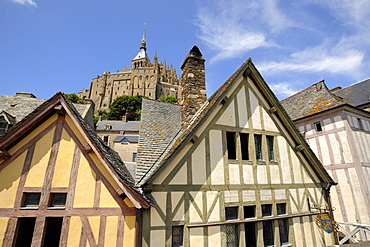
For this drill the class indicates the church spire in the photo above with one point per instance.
(143, 40)
(142, 53)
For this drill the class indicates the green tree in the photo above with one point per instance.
(124, 104)
(73, 98)
(169, 99)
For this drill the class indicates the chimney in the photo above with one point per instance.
(192, 84)
(27, 95)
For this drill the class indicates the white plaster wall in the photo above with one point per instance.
(335, 147)
(347, 154)
(231, 196)
(160, 198)
(269, 124)
(212, 197)
(325, 156)
(158, 238)
(198, 160)
(214, 236)
(216, 158)
(275, 174)
(249, 195)
(248, 174)
(234, 174)
(359, 197)
(284, 160)
(194, 216)
(228, 116)
(338, 121)
(196, 237)
(347, 195)
(175, 201)
(255, 111)
(262, 174)
(242, 108)
(327, 124)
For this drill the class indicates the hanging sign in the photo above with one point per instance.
(324, 222)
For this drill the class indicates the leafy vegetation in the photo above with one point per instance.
(73, 98)
(129, 105)
(169, 99)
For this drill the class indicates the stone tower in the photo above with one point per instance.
(193, 85)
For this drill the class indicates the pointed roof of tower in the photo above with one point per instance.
(142, 52)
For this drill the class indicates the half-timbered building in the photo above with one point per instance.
(237, 173)
(336, 125)
(61, 186)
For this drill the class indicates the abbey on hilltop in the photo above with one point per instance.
(152, 80)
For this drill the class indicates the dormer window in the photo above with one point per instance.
(108, 126)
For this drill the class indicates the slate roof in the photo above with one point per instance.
(311, 100)
(357, 94)
(121, 138)
(161, 123)
(19, 107)
(184, 136)
(119, 125)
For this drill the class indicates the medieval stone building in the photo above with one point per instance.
(152, 80)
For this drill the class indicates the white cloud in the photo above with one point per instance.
(283, 89)
(233, 27)
(25, 2)
(341, 59)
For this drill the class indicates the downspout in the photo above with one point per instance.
(328, 199)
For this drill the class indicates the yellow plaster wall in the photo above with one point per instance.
(41, 156)
(129, 231)
(3, 226)
(160, 198)
(128, 202)
(158, 238)
(111, 231)
(104, 171)
(9, 179)
(74, 128)
(85, 185)
(175, 201)
(74, 232)
(64, 161)
(34, 133)
(181, 176)
(106, 199)
(94, 222)
(214, 236)
(197, 237)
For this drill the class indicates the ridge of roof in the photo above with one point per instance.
(322, 81)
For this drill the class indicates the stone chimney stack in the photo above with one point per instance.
(192, 84)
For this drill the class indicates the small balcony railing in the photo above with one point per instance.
(358, 232)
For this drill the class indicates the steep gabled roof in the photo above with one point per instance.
(246, 70)
(108, 157)
(311, 100)
(357, 94)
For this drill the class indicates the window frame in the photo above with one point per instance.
(258, 147)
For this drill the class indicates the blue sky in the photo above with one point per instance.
(49, 45)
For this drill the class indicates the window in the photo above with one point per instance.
(31, 200)
(359, 123)
(177, 236)
(250, 234)
(52, 231)
(232, 239)
(134, 157)
(24, 234)
(58, 200)
(231, 149)
(270, 147)
(266, 210)
(249, 211)
(106, 140)
(318, 127)
(258, 146)
(231, 213)
(244, 146)
(283, 224)
(268, 233)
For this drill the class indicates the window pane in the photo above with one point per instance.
(58, 199)
(283, 231)
(177, 235)
(52, 231)
(270, 147)
(231, 150)
(258, 146)
(281, 208)
(232, 235)
(250, 235)
(266, 210)
(318, 127)
(25, 230)
(249, 211)
(244, 146)
(268, 234)
(31, 199)
(231, 213)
